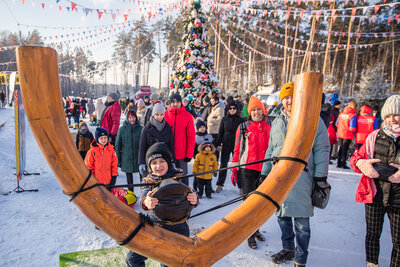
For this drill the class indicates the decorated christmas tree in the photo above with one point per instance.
(195, 76)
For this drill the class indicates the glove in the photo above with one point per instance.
(234, 177)
(142, 168)
(365, 166)
(395, 178)
(187, 159)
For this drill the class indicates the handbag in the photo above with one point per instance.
(321, 193)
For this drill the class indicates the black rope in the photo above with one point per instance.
(273, 159)
(144, 219)
(266, 197)
(82, 189)
(232, 201)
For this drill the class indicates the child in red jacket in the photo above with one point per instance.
(101, 158)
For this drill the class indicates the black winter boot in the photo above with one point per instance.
(259, 236)
(282, 256)
(252, 242)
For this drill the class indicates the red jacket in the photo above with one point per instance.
(111, 118)
(365, 126)
(257, 138)
(346, 123)
(182, 126)
(331, 132)
(102, 161)
(366, 189)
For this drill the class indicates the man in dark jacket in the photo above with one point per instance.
(226, 139)
(207, 109)
(83, 105)
(149, 108)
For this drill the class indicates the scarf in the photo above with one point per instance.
(391, 130)
(159, 125)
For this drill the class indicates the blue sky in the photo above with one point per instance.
(14, 14)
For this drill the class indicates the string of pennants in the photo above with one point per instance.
(148, 8)
(223, 43)
(286, 11)
(259, 21)
(282, 36)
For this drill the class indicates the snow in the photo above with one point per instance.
(36, 227)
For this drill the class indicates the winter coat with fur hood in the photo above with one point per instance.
(205, 161)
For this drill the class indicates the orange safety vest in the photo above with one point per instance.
(365, 125)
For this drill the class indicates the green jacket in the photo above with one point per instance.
(245, 113)
(127, 146)
(298, 203)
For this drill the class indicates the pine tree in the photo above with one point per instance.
(373, 87)
(195, 76)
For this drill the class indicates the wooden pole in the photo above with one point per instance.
(307, 53)
(293, 52)
(347, 58)
(249, 72)
(327, 55)
(354, 64)
(283, 72)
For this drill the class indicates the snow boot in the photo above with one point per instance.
(219, 189)
(370, 264)
(282, 256)
(259, 236)
(344, 166)
(339, 164)
(299, 265)
(251, 241)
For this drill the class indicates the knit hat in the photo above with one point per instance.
(154, 96)
(114, 96)
(158, 150)
(185, 99)
(99, 133)
(175, 97)
(337, 102)
(158, 108)
(286, 90)
(255, 103)
(206, 99)
(200, 123)
(391, 106)
(83, 131)
(141, 103)
(82, 123)
(206, 143)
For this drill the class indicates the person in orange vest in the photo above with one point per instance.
(365, 125)
(346, 128)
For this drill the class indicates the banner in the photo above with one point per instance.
(20, 150)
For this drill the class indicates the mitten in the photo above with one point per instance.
(187, 159)
(219, 148)
(234, 177)
(142, 168)
(395, 178)
(365, 166)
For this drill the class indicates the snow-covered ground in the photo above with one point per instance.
(35, 227)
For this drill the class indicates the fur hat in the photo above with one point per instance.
(204, 144)
(99, 133)
(391, 106)
(158, 108)
(114, 96)
(175, 97)
(286, 90)
(255, 103)
(154, 96)
(158, 150)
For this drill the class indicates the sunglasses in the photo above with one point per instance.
(232, 108)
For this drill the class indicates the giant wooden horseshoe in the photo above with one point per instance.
(38, 70)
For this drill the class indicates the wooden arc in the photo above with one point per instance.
(38, 70)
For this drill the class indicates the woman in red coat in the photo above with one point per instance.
(111, 116)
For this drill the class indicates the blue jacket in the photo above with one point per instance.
(298, 203)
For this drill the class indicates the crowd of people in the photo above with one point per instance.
(158, 139)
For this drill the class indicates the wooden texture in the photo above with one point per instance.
(38, 71)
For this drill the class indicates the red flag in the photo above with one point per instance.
(23, 2)
(42, 5)
(73, 5)
(99, 13)
(59, 7)
(126, 17)
(353, 13)
(377, 8)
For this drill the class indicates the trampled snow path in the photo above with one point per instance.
(36, 227)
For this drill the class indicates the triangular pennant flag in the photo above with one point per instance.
(302, 13)
(317, 15)
(391, 5)
(23, 2)
(113, 16)
(73, 5)
(377, 8)
(86, 10)
(125, 17)
(42, 5)
(397, 18)
(365, 9)
(354, 10)
(99, 13)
